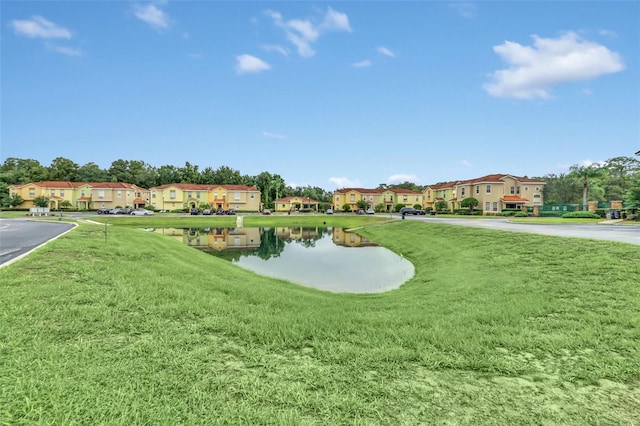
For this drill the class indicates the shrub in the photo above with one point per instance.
(177, 211)
(398, 207)
(346, 208)
(507, 213)
(580, 215)
(521, 214)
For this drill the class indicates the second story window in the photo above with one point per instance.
(32, 192)
(153, 194)
(53, 192)
(172, 195)
(101, 193)
(119, 194)
(62, 192)
(512, 190)
(488, 189)
(462, 190)
(477, 189)
(353, 197)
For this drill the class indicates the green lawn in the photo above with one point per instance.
(494, 328)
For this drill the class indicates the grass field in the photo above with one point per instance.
(494, 328)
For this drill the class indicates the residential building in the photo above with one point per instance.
(387, 198)
(178, 196)
(81, 195)
(443, 191)
(295, 203)
(494, 193)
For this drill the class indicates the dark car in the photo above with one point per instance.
(231, 212)
(126, 210)
(103, 211)
(207, 212)
(219, 212)
(410, 210)
(194, 211)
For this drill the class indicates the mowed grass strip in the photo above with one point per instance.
(495, 328)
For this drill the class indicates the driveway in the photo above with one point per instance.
(18, 237)
(621, 233)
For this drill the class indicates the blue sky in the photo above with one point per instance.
(328, 94)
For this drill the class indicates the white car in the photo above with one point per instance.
(142, 212)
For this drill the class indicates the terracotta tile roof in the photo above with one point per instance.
(205, 187)
(442, 185)
(303, 199)
(84, 199)
(139, 201)
(513, 198)
(360, 190)
(113, 185)
(56, 184)
(499, 178)
(405, 191)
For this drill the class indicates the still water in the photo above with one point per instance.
(325, 258)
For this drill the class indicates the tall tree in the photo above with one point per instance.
(63, 169)
(16, 170)
(91, 172)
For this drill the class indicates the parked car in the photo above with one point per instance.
(411, 210)
(329, 211)
(103, 211)
(360, 211)
(141, 212)
(194, 211)
(370, 211)
(207, 212)
(125, 210)
(266, 211)
(219, 212)
(114, 211)
(231, 212)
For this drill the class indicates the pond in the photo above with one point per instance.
(326, 258)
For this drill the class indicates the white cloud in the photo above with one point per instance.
(386, 52)
(400, 178)
(152, 15)
(275, 48)
(39, 27)
(250, 64)
(534, 70)
(466, 163)
(362, 64)
(270, 135)
(302, 32)
(335, 21)
(68, 51)
(343, 182)
(465, 9)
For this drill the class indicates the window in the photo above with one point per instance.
(62, 192)
(488, 190)
(82, 193)
(404, 198)
(526, 188)
(337, 198)
(53, 192)
(32, 192)
(495, 206)
(172, 195)
(101, 193)
(462, 191)
(252, 196)
(353, 197)
(237, 196)
(119, 194)
(537, 188)
(215, 195)
(518, 190)
(512, 190)
(153, 194)
(189, 194)
(477, 189)
(198, 195)
(487, 206)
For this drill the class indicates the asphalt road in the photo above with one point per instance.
(18, 237)
(620, 233)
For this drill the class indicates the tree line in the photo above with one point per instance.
(615, 179)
